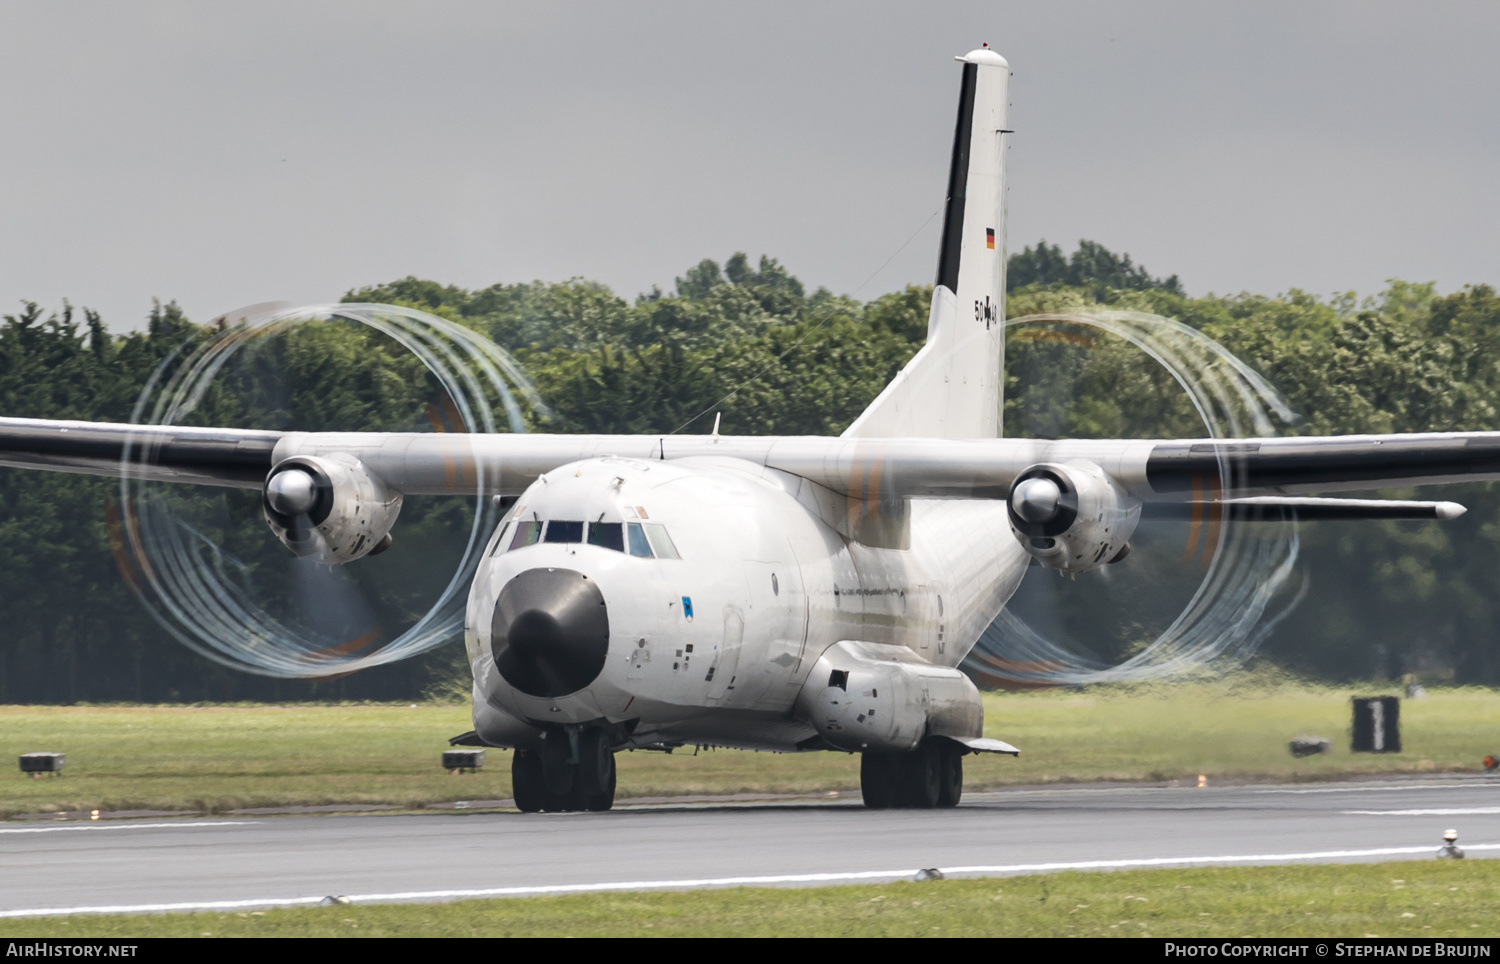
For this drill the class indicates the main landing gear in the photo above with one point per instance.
(572, 770)
(932, 775)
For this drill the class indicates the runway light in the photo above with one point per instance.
(334, 901)
(929, 873)
(1491, 764)
(93, 814)
(1202, 781)
(1450, 849)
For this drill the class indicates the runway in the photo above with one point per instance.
(184, 864)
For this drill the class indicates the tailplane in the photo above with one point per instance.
(952, 388)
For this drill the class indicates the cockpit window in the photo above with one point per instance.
(660, 541)
(607, 534)
(644, 540)
(638, 544)
(527, 533)
(564, 532)
(497, 544)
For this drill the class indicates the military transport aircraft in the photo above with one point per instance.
(779, 593)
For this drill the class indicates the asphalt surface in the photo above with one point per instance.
(239, 862)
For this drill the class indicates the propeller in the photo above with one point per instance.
(204, 561)
(1163, 611)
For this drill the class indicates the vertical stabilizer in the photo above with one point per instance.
(952, 388)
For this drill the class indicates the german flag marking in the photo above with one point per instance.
(989, 238)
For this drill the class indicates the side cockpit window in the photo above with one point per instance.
(527, 533)
(638, 544)
(498, 543)
(661, 543)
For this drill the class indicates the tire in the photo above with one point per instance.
(605, 798)
(951, 783)
(559, 772)
(878, 780)
(921, 777)
(596, 764)
(528, 785)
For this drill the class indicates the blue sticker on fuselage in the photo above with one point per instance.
(687, 607)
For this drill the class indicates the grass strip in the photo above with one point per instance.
(215, 759)
(1401, 899)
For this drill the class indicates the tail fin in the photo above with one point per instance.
(953, 387)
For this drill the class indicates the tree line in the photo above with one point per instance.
(747, 339)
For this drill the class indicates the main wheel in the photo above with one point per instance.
(878, 779)
(596, 764)
(557, 765)
(921, 776)
(528, 785)
(951, 784)
(605, 798)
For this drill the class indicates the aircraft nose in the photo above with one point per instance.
(550, 632)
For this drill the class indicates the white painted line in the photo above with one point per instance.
(159, 908)
(1451, 812)
(1195, 861)
(184, 825)
(707, 882)
(1454, 785)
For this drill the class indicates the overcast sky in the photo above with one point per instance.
(226, 154)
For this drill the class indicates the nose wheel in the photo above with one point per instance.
(569, 772)
(930, 776)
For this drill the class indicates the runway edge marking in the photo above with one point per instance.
(127, 826)
(708, 882)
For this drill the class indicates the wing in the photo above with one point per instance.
(206, 456)
(882, 469)
(1152, 471)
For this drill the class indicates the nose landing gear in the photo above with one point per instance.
(573, 770)
(930, 776)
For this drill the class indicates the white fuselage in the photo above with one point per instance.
(713, 647)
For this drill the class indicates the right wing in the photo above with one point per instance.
(162, 453)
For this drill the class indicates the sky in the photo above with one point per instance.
(229, 154)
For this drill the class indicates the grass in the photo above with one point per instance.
(218, 758)
(1433, 899)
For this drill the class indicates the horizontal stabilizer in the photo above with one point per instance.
(1277, 508)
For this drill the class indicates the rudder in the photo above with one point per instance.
(953, 387)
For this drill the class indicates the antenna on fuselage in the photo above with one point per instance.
(716, 425)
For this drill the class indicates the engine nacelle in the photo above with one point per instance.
(1072, 516)
(329, 507)
(876, 696)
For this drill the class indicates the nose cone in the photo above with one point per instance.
(550, 633)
